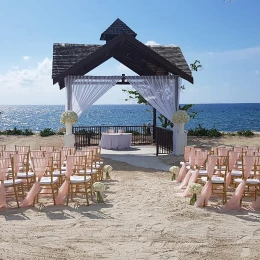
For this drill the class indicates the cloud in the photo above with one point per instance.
(30, 86)
(151, 43)
(26, 57)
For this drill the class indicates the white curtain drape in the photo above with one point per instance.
(83, 91)
(162, 92)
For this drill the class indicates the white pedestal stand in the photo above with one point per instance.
(69, 138)
(181, 139)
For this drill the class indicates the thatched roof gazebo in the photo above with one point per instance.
(121, 44)
(72, 61)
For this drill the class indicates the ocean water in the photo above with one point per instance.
(225, 117)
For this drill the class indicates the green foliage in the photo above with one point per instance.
(134, 95)
(47, 132)
(246, 133)
(16, 131)
(201, 131)
(196, 66)
(27, 132)
(60, 133)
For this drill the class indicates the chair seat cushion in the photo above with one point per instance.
(203, 172)
(88, 171)
(11, 182)
(58, 173)
(47, 180)
(63, 168)
(236, 173)
(248, 181)
(25, 174)
(223, 167)
(79, 179)
(214, 180)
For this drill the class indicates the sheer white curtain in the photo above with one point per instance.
(83, 91)
(162, 92)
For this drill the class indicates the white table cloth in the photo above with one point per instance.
(117, 141)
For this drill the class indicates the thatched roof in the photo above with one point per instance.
(79, 59)
(116, 28)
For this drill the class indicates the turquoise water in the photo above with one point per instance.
(226, 117)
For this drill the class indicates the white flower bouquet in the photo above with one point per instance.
(175, 171)
(107, 169)
(99, 188)
(69, 117)
(180, 116)
(194, 189)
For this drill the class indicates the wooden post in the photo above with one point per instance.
(154, 125)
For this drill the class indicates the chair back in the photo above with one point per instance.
(22, 148)
(47, 148)
(2, 147)
(5, 163)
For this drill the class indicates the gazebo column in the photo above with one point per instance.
(154, 125)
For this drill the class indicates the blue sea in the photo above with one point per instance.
(225, 117)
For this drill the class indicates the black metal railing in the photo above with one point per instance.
(91, 135)
(164, 140)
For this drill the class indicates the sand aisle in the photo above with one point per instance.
(142, 218)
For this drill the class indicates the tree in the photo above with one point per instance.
(134, 95)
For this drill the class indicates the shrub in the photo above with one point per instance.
(246, 133)
(27, 132)
(47, 132)
(16, 131)
(202, 131)
(60, 133)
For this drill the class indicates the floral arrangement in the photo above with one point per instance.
(194, 189)
(107, 169)
(69, 116)
(180, 116)
(175, 171)
(99, 188)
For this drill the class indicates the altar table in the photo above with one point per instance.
(118, 141)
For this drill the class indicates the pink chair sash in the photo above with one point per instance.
(183, 170)
(39, 166)
(207, 189)
(233, 157)
(234, 202)
(63, 190)
(200, 158)
(182, 173)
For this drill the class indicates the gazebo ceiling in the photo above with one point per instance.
(79, 59)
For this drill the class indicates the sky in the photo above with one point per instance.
(223, 35)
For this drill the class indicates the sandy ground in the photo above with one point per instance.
(142, 218)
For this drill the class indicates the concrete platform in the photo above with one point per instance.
(140, 156)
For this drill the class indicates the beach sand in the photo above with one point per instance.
(142, 218)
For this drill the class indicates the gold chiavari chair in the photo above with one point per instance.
(23, 169)
(252, 181)
(10, 180)
(80, 182)
(218, 179)
(48, 182)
